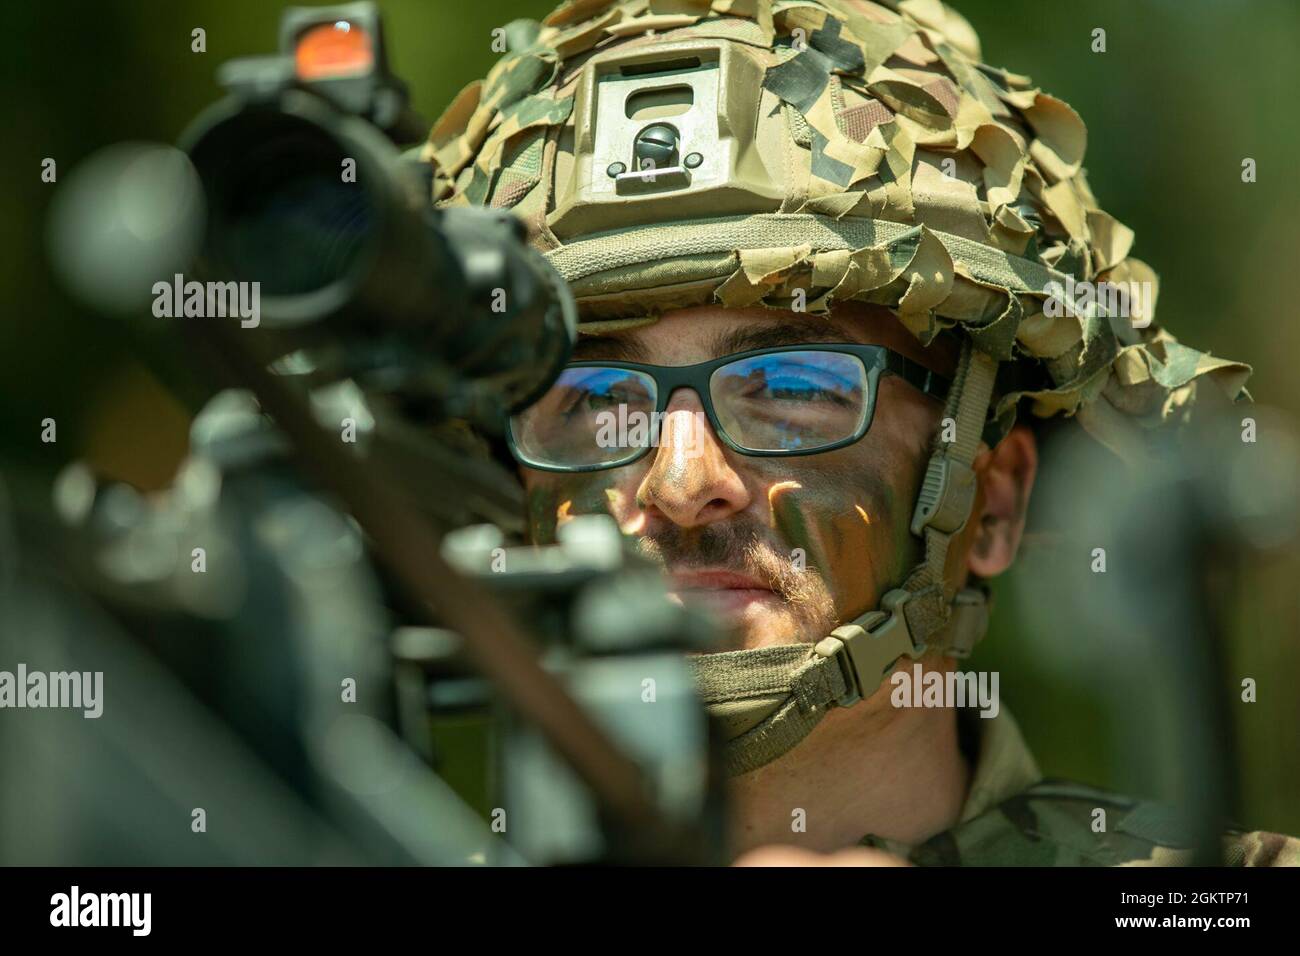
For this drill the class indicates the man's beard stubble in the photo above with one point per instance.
(742, 547)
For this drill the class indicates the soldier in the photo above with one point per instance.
(828, 262)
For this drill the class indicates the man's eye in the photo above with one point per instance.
(795, 390)
(585, 402)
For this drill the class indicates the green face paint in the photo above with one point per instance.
(846, 511)
(543, 502)
(791, 524)
(554, 497)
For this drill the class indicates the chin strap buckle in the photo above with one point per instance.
(867, 649)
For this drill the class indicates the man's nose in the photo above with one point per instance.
(690, 482)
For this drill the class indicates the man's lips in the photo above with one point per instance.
(705, 580)
(725, 591)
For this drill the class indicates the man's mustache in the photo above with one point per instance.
(747, 548)
(739, 548)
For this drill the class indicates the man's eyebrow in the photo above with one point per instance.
(774, 336)
(620, 348)
(594, 347)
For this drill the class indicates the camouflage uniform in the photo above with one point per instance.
(1013, 817)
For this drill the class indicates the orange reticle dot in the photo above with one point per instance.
(331, 50)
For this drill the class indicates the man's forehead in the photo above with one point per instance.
(686, 336)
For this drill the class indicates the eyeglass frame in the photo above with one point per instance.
(875, 359)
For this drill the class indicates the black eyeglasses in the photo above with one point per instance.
(788, 400)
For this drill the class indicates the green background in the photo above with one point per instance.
(1185, 90)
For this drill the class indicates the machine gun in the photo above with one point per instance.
(343, 489)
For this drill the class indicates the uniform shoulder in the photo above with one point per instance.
(1061, 823)
(1261, 848)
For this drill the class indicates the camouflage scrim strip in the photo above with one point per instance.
(522, 116)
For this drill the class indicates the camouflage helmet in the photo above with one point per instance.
(815, 151)
(798, 153)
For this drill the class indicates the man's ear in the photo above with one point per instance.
(1006, 477)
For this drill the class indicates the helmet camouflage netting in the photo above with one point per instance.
(842, 149)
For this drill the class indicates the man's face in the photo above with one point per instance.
(783, 548)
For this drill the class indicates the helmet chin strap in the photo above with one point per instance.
(768, 699)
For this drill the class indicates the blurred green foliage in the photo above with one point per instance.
(1184, 92)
